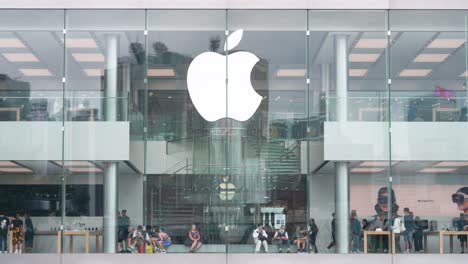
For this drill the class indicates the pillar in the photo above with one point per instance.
(341, 168)
(110, 168)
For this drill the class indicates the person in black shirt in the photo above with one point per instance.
(17, 237)
(4, 224)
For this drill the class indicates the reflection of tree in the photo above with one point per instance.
(160, 48)
(214, 43)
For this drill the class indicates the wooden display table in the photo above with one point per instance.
(375, 233)
(451, 234)
(85, 233)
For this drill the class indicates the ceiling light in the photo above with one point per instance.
(94, 72)
(431, 57)
(79, 169)
(291, 72)
(35, 72)
(465, 74)
(446, 43)
(6, 163)
(437, 170)
(15, 170)
(81, 43)
(161, 72)
(73, 163)
(377, 163)
(357, 72)
(11, 43)
(373, 43)
(368, 170)
(363, 57)
(452, 164)
(20, 57)
(88, 57)
(415, 72)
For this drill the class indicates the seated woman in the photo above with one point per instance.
(195, 237)
(163, 241)
(301, 240)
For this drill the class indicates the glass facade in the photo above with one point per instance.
(229, 119)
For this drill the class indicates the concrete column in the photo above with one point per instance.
(110, 168)
(341, 168)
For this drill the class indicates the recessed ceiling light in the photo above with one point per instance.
(452, 164)
(437, 170)
(6, 163)
(377, 163)
(161, 72)
(357, 72)
(20, 57)
(446, 43)
(465, 74)
(74, 163)
(88, 57)
(11, 43)
(94, 72)
(431, 57)
(415, 72)
(371, 43)
(81, 43)
(35, 72)
(368, 170)
(363, 57)
(80, 169)
(15, 170)
(291, 72)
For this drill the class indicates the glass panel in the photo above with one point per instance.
(186, 141)
(105, 75)
(31, 70)
(268, 186)
(429, 106)
(348, 129)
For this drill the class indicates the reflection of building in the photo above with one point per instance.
(14, 104)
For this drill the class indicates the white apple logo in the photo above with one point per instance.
(206, 82)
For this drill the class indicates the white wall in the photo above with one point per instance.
(83, 141)
(415, 141)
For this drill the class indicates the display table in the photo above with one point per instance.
(451, 234)
(85, 233)
(375, 233)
